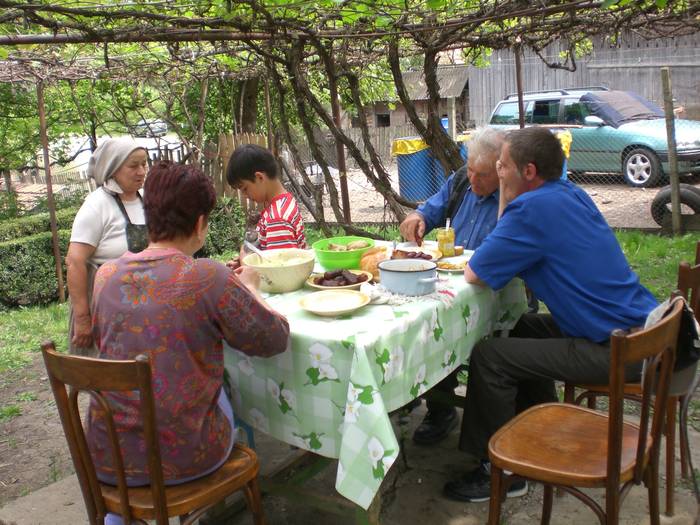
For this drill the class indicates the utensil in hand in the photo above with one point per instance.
(250, 246)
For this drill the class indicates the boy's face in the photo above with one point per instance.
(254, 189)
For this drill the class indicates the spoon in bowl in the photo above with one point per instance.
(250, 246)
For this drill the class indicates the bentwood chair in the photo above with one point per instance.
(682, 388)
(569, 446)
(156, 501)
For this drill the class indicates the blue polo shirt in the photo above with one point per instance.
(473, 221)
(558, 242)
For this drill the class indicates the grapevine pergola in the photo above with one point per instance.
(315, 57)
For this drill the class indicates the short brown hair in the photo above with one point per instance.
(175, 195)
(538, 146)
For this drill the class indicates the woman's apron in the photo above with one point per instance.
(136, 241)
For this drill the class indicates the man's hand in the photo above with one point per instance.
(413, 228)
(249, 277)
(82, 331)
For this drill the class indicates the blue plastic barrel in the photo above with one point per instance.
(416, 173)
(439, 172)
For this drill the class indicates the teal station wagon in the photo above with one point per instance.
(612, 131)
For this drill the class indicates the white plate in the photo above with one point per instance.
(330, 303)
(459, 259)
(310, 281)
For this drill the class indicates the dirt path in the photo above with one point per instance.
(33, 450)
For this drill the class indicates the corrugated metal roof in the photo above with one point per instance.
(451, 79)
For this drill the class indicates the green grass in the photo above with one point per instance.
(655, 258)
(8, 412)
(25, 397)
(23, 330)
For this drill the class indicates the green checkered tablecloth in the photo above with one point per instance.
(332, 392)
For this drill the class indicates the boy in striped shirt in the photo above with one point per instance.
(254, 170)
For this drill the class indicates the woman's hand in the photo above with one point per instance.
(249, 277)
(82, 331)
(234, 263)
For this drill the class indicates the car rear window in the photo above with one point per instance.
(507, 113)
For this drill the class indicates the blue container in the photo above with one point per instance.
(564, 175)
(416, 174)
(439, 173)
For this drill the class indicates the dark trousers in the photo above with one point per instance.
(510, 374)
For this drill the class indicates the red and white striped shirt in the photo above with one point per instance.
(280, 225)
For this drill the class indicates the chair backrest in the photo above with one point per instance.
(689, 285)
(656, 347)
(95, 376)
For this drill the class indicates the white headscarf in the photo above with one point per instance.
(108, 158)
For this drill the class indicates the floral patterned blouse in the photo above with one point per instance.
(176, 309)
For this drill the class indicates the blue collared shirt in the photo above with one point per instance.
(473, 221)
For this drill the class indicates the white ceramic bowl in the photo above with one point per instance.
(282, 270)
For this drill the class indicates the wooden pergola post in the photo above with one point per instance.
(49, 190)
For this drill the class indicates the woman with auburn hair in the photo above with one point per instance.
(176, 309)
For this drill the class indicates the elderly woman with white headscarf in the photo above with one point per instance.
(110, 222)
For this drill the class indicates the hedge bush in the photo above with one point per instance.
(15, 229)
(28, 274)
(226, 228)
(28, 271)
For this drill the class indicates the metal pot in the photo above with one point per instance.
(408, 276)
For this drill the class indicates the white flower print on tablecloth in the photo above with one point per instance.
(321, 370)
(381, 459)
(285, 398)
(358, 395)
(246, 366)
(471, 317)
(391, 362)
(419, 384)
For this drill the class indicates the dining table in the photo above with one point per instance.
(332, 391)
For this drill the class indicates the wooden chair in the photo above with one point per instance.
(569, 446)
(680, 394)
(156, 501)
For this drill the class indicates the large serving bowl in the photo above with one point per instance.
(283, 270)
(337, 260)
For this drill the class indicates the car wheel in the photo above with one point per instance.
(661, 205)
(641, 168)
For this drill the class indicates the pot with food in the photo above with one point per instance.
(408, 276)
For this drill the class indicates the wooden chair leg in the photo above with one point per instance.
(652, 482)
(591, 402)
(496, 495)
(252, 496)
(683, 444)
(670, 453)
(569, 393)
(547, 504)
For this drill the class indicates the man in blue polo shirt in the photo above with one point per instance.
(470, 199)
(553, 237)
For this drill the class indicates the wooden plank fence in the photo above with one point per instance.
(215, 161)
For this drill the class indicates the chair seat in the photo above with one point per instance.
(241, 467)
(562, 444)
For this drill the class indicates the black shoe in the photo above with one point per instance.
(435, 427)
(475, 487)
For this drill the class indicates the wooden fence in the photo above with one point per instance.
(214, 162)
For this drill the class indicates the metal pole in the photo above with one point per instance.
(672, 159)
(339, 148)
(49, 190)
(519, 83)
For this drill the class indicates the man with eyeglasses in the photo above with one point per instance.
(553, 237)
(470, 199)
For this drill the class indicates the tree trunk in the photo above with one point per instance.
(249, 105)
(8, 180)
